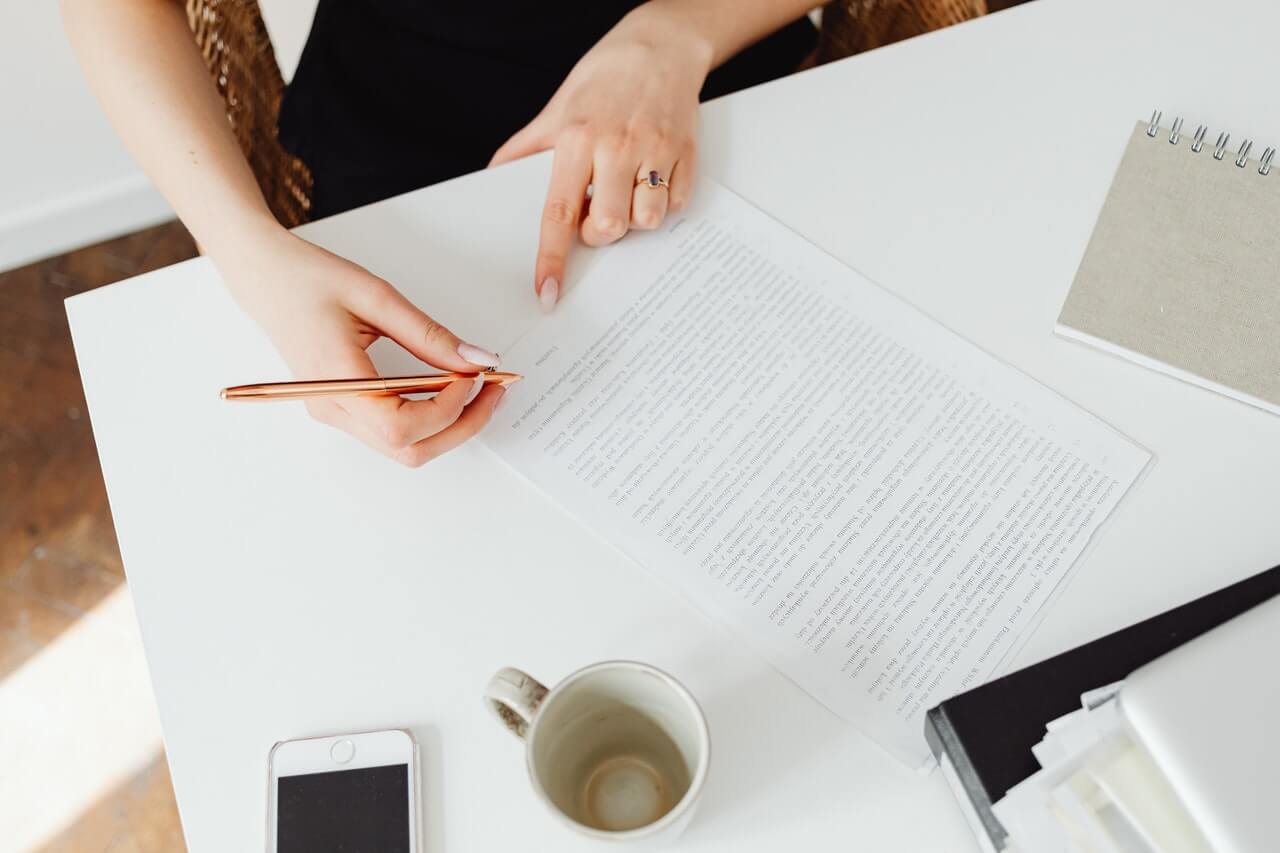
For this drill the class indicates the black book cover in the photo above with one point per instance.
(988, 732)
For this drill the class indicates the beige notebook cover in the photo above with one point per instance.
(1182, 273)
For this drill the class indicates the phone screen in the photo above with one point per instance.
(353, 811)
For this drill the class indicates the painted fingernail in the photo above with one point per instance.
(475, 355)
(550, 295)
(476, 386)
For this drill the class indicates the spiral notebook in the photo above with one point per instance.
(1182, 273)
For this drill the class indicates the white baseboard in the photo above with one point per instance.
(61, 224)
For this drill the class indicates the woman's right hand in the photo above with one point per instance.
(322, 312)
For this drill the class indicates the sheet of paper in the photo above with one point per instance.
(876, 505)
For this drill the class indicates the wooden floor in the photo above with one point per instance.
(58, 554)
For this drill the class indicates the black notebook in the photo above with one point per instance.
(986, 734)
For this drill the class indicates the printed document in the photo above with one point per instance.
(874, 503)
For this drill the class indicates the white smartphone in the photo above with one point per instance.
(354, 793)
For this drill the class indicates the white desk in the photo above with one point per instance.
(962, 170)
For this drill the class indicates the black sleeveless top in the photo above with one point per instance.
(392, 95)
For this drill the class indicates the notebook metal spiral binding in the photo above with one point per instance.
(1219, 148)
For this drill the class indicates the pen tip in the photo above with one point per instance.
(223, 393)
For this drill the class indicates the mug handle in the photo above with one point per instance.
(514, 696)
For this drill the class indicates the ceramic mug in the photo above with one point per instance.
(618, 751)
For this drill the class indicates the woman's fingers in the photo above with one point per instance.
(649, 201)
(399, 423)
(394, 423)
(472, 420)
(570, 172)
(612, 166)
(411, 432)
(612, 179)
(387, 310)
(624, 196)
(331, 414)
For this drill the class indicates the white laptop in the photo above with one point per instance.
(1208, 713)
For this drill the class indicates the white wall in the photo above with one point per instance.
(65, 179)
(288, 22)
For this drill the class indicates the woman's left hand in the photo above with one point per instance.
(628, 108)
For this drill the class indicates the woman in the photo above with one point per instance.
(391, 95)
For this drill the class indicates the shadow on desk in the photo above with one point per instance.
(761, 753)
(431, 788)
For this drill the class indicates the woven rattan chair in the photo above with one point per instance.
(852, 26)
(238, 52)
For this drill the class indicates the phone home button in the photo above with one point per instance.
(342, 751)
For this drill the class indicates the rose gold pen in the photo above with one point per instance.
(378, 386)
